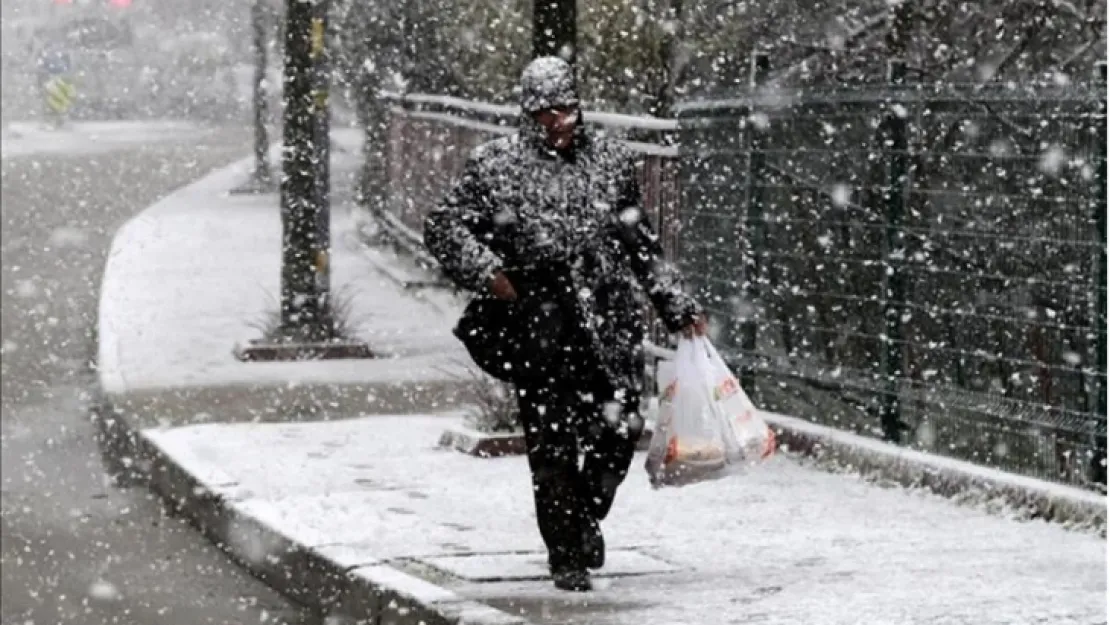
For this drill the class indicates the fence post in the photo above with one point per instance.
(752, 235)
(1096, 344)
(893, 297)
(376, 117)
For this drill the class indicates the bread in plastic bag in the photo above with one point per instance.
(707, 426)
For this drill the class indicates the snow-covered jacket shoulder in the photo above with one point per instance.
(517, 206)
(459, 231)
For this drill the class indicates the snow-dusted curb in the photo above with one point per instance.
(962, 482)
(361, 589)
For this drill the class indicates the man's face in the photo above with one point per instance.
(559, 123)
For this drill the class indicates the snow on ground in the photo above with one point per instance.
(30, 138)
(197, 273)
(782, 544)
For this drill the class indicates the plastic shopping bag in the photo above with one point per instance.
(707, 426)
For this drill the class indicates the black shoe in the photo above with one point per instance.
(593, 545)
(572, 580)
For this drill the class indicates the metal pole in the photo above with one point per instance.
(665, 104)
(321, 113)
(262, 176)
(305, 312)
(893, 294)
(554, 29)
(1096, 342)
(1098, 209)
(753, 230)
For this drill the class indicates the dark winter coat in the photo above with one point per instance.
(569, 232)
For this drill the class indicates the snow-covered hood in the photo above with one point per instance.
(546, 82)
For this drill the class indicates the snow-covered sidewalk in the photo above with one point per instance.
(783, 544)
(197, 274)
(307, 472)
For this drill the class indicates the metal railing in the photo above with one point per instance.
(926, 263)
(922, 263)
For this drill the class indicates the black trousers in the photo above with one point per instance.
(562, 420)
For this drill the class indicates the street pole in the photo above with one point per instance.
(554, 29)
(262, 180)
(664, 104)
(262, 176)
(305, 307)
(307, 328)
(321, 93)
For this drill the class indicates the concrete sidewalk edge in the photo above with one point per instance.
(370, 593)
(287, 400)
(961, 482)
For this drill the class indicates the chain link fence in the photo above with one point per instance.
(921, 262)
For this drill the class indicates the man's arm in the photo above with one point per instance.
(661, 280)
(458, 230)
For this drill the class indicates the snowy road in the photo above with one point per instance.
(25, 138)
(75, 547)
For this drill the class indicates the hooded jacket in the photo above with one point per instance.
(568, 229)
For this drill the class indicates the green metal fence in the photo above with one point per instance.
(925, 263)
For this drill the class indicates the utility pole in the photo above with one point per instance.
(262, 180)
(305, 309)
(321, 144)
(554, 29)
(307, 328)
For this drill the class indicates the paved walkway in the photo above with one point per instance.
(782, 544)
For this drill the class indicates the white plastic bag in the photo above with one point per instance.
(707, 427)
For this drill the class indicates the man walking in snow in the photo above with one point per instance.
(545, 227)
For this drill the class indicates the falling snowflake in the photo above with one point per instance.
(760, 120)
(68, 237)
(1052, 160)
(104, 591)
(985, 71)
(26, 288)
(504, 217)
(612, 412)
(1001, 449)
(926, 434)
(1000, 148)
(254, 545)
(630, 216)
(841, 195)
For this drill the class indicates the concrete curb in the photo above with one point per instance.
(361, 591)
(962, 482)
(285, 401)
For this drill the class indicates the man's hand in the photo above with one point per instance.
(501, 287)
(698, 328)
